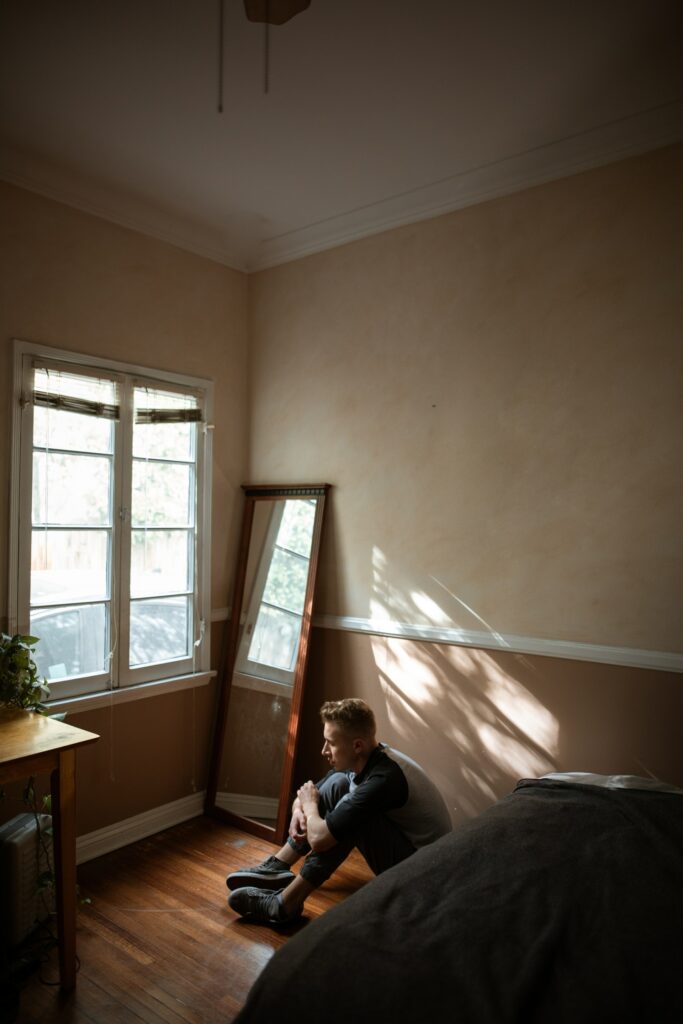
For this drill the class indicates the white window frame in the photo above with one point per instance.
(198, 662)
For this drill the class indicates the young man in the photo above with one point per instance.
(373, 797)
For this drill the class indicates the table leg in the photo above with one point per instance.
(63, 786)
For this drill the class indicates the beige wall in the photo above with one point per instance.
(81, 283)
(495, 396)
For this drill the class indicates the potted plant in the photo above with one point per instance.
(22, 687)
(20, 684)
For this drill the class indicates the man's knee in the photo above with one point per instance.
(332, 790)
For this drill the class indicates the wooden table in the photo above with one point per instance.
(31, 744)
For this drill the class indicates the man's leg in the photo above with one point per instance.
(274, 872)
(287, 904)
(383, 844)
(381, 841)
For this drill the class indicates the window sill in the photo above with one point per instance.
(272, 686)
(107, 698)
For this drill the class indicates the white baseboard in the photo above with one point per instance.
(247, 805)
(113, 837)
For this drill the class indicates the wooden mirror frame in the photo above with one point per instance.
(253, 494)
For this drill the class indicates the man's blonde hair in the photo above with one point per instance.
(354, 716)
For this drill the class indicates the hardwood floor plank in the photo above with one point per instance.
(159, 944)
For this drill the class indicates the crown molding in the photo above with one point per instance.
(610, 142)
(629, 136)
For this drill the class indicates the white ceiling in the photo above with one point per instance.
(379, 112)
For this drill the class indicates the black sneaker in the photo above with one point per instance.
(266, 907)
(271, 874)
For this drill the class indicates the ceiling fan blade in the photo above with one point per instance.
(274, 12)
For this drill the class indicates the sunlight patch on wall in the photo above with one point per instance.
(519, 707)
(478, 621)
(512, 754)
(516, 731)
(460, 696)
(435, 615)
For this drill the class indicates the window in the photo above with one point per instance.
(110, 510)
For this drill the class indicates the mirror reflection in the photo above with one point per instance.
(268, 655)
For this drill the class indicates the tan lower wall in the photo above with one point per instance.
(150, 752)
(477, 720)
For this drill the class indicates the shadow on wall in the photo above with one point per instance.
(483, 728)
(480, 728)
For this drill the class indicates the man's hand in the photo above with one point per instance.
(317, 833)
(308, 797)
(297, 826)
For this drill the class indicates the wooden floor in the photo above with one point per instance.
(158, 943)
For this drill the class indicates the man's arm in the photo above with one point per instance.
(298, 825)
(318, 834)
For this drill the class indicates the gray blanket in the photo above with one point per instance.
(561, 904)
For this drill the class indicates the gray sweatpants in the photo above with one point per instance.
(379, 839)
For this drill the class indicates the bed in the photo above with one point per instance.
(561, 904)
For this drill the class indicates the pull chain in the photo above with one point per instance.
(221, 32)
(266, 55)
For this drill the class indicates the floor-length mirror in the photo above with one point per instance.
(264, 658)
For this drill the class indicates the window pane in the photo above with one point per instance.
(72, 641)
(286, 582)
(69, 565)
(160, 562)
(159, 630)
(296, 528)
(163, 440)
(276, 638)
(54, 428)
(73, 385)
(71, 490)
(161, 494)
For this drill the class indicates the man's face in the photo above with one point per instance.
(338, 748)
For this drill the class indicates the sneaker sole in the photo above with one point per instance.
(241, 879)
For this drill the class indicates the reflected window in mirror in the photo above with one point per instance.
(275, 596)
